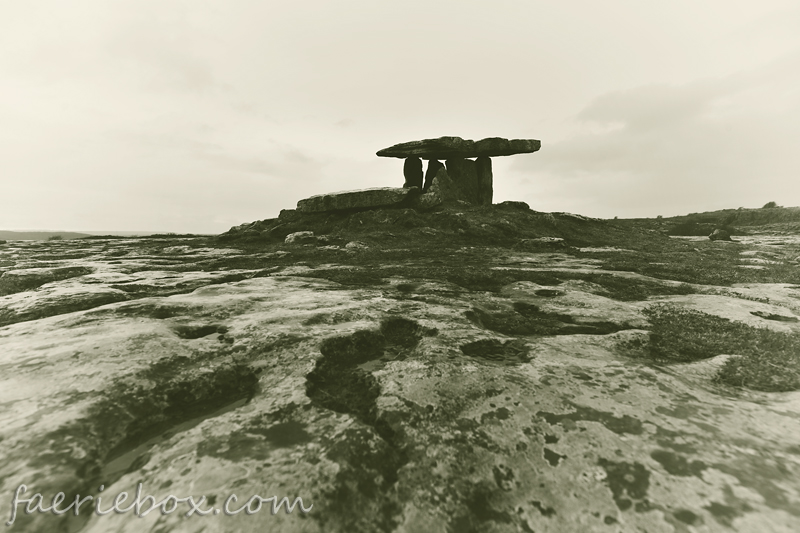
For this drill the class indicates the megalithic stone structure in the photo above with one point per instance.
(472, 179)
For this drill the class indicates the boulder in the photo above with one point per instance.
(720, 235)
(442, 191)
(458, 148)
(357, 200)
(412, 171)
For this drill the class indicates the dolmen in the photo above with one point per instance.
(464, 177)
(471, 179)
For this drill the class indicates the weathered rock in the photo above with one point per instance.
(300, 237)
(412, 171)
(53, 299)
(348, 391)
(720, 235)
(430, 173)
(426, 201)
(458, 148)
(356, 246)
(442, 191)
(357, 200)
(389, 404)
(176, 250)
(512, 204)
(289, 215)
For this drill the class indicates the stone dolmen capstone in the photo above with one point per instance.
(471, 179)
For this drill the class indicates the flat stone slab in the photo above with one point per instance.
(456, 147)
(360, 199)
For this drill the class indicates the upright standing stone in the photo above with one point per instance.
(412, 170)
(465, 178)
(483, 168)
(433, 169)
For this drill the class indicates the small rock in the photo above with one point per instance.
(522, 206)
(279, 254)
(720, 235)
(773, 316)
(176, 249)
(355, 246)
(301, 237)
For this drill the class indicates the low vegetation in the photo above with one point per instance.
(763, 359)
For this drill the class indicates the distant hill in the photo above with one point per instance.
(738, 221)
(39, 235)
(44, 235)
(745, 217)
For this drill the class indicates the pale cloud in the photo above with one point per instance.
(708, 144)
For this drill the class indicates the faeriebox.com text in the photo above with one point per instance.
(142, 506)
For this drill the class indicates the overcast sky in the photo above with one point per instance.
(194, 116)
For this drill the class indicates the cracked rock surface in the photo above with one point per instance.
(390, 400)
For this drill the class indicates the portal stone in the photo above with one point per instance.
(483, 168)
(412, 170)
